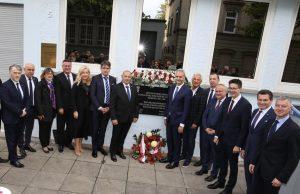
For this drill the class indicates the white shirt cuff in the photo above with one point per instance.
(181, 125)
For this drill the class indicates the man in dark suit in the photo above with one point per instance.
(176, 113)
(231, 134)
(279, 155)
(261, 118)
(28, 80)
(197, 106)
(209, 122)
(63, 83)
(15, 106)
(123, 111)
(1, 159)
(210, 94)
(100, 95)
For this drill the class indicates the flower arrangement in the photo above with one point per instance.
(153, 77)
(148, 146)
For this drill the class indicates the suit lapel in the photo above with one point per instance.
(123, 91)
(236, 106)
(178, 93)
(13, 86)
(264, 119)
(279, 130)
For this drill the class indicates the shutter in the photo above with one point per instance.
(11, 37)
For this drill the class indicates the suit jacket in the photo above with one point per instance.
(177, 109)
(256, 134)
(12, 102)
(211, 114)
(279, 156)
(98, 91)
(197, 106)
(120, 107)
(63, 91)
(43, 101)
(233, 127)
(24, 82)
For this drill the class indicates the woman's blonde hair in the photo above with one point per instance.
(78, 78)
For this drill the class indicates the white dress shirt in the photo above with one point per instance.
(33, 86)
(235, 101)
(260, 116)
(21, 90)
(71, 78)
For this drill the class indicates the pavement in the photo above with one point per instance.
(66, 173)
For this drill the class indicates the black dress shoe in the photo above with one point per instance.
(94, 154)
(216, 185)
(171, 166)
(60, 148)
(23, 152)
(164, 160)
(210, 178)
(121, 155)
(20, 157)
(113, 157)
(70, 146)
(29, 148)
(201, 172)
(102, 150)
(17, 164)
(3, 160)
(198, 163)
(226, 191)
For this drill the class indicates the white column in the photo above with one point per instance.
(125, 35)
(203, 21)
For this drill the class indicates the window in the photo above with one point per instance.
(230, 21)
(238, 39)
(71, 31)
(86, 31)
(292, 65)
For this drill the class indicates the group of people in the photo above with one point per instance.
(266, 138)
(82, 106)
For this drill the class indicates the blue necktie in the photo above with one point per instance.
(107, 91)
(272, 130)
(31, 92)
(255, 119)
(175, 93)
(128, 93)
(19, 90)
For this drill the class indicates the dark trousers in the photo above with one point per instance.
(215, 165)
(206, 150)
(174, 143)
(12, 134)
(65, 135)
(100, 122)
(226, 156)
(248, 176)
(262, 186)
(201, 142)
(189, 136)
(45, 132)
(26, 134)
(118, 137)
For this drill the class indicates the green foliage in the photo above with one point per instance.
(161, 13)
(94, 6)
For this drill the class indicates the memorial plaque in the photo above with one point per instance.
(48, 55)
(152, 100)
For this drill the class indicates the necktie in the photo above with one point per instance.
(128, 93)
(107, 90)
(175, 93)
(69, 81)
(30, 92)
(255, 119)
(210, 95)
(19, 90)
(272, 130)
(218, 104)
(52, 95)
(230, 106)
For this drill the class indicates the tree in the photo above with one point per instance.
(161, 13)
(95, 6)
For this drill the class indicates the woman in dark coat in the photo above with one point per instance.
(81, 107)
(46, 107)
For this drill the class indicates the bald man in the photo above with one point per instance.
(123, 111)
(28, 80)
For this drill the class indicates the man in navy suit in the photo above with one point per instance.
(231, 134)
(210, 94)
(209, 122)
(100, 96)
(27, 79)
(63, 88)
(176, 113)
(262, 118)
(279, 155)
(15, 106)
(197, 106)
